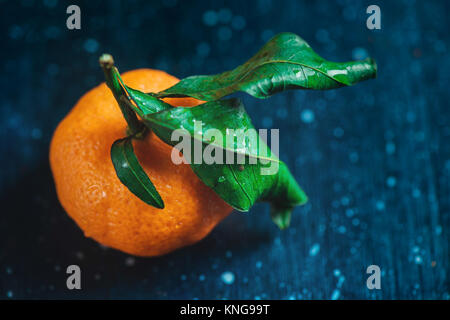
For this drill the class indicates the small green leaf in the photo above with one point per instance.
(240, 185)
(285, 62)
(131, 174)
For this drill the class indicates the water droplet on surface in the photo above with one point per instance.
(314, 250)
(227, 277)
(335, 295)
(307, 116)
(390, 148)
(380, 205)
(391, 181)
(210, 18)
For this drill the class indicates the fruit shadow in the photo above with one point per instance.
(39, 240)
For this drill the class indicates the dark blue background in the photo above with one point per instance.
(373, 158)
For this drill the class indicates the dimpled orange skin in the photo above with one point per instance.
(93, 196)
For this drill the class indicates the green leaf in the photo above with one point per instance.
(239, 185)
(132, 175)
(285, 62)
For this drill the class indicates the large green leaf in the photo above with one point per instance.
(240, 185)
(285, 62)
(132, 175)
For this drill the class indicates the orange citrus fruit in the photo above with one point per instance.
(101, 205)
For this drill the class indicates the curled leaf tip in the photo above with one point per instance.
(374, 65)
(281, 217)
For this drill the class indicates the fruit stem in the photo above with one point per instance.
(107, 63)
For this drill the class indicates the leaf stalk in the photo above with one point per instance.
(135, 127)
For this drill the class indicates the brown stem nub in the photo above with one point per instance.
(106, 61)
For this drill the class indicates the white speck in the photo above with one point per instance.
(9, 294)
(337, 272)
(259, 264)
(228, 277)
(418, 260)
(130, 261)
(201, 277)
(124, 165)
(314, 250)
